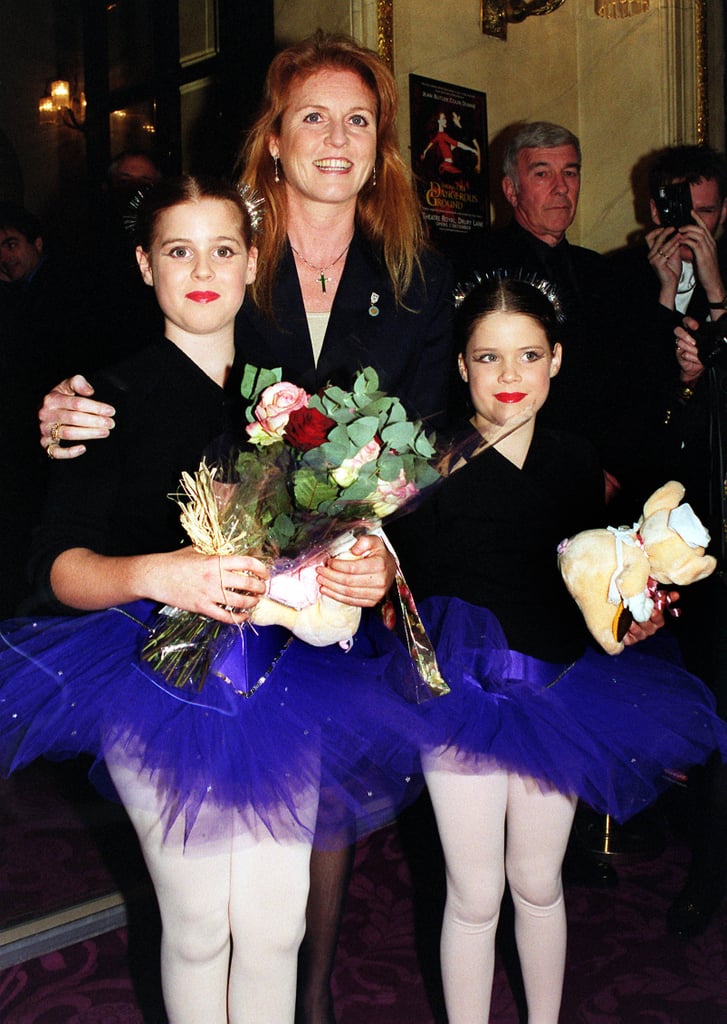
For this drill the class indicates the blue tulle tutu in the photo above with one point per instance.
(610, 729)
(300, 738)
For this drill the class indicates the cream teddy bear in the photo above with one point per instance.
(612, 573)
(294, 602)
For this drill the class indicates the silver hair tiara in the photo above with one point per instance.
(251, 198)
(254, 203)
(522, 276)
(130, 219)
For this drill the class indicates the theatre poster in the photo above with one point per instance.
(449, 159)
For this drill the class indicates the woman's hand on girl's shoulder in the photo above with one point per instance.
(68, 413)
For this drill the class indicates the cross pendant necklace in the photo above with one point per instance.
(321, 271)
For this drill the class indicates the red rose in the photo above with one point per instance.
(307, 428)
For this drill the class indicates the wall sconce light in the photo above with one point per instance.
(621, 8)
(495, 14)
(59, 107)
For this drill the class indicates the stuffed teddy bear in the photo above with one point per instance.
(294, 602)
(612, 573)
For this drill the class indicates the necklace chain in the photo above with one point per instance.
(321, 271)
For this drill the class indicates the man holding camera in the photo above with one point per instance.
(679, 272)
(688, 190)
(688, 305)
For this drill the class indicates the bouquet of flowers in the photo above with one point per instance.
(317, 469)
(347, 456)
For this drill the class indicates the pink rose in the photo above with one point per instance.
(274, 408)
(392, 494)
(347, 472)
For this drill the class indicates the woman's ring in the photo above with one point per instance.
(50, 449)
(662, 253)
(55, 432)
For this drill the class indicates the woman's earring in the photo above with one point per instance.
(373, 184)
(277, 176)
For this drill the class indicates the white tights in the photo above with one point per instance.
(471, 811)
(243, 895)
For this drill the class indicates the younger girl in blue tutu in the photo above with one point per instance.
(222, 784)
(537, 717)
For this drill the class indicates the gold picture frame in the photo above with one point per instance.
(385, 31)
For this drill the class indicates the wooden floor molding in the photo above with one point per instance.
(42, 935)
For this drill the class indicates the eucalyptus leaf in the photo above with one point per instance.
(391, 409)
(256, 379)
(310, 490)
(362, 430)
(426, 476)
(334, 410)
(335, 395)
(338, 436)
(390, 466)
(329, 455)
(371, 378)
(398, 435)
(423, 445)
(282, 529)
(378, 406)
(315, 402)
(359, 490)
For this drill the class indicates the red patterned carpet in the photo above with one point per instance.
(623, 968)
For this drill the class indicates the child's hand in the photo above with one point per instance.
(641, 630)
(363, 580)
(224, 587)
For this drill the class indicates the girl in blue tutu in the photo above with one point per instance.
(537, 717)
(222, 784)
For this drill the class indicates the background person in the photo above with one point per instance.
(38, 345)
(671, 285)
(678, 271)
(126, 314)
(699, 423)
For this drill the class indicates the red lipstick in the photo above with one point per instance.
(510, 397)
(202, 297)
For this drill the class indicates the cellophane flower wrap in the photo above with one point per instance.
(316, 467)
(347, 457)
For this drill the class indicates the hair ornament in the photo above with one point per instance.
(130, 218)
(522, 276)
(254, 203)
(463, 288)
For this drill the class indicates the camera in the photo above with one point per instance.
(711, 339)
(674, 203)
